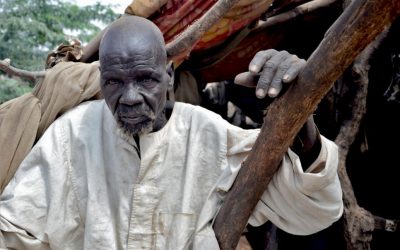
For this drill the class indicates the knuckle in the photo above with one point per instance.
(262, 83)
(260, 53)
(270, 65)
(276, 83)
(283, 67)
(284, 53)
(294, 57)
(271, 50)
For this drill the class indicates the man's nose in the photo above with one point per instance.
(131, 96)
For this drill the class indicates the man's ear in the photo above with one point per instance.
(171, 73)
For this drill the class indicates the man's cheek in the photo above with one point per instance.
(115, 100)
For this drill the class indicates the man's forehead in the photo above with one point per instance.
(124, 57)
(133, 51)
(130, 62)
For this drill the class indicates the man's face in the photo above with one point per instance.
(134, 86)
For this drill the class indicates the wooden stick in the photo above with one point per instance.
(293, 13)
(282, 7)
(28, 75)
(358, 25)
(188, 38)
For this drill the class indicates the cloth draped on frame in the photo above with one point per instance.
(174, 16)
(23, 120)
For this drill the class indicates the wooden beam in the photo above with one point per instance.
(294, 13)
(190, 36)
(358, 25)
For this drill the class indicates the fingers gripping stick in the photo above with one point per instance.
(268, 70)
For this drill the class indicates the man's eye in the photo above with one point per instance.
(113, 82)
(147, 80)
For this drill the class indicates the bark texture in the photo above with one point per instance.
(294, 13)
(358, 222)
(188, 38)
(5, 65)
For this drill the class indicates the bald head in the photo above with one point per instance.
(130, 34)
(134, 75)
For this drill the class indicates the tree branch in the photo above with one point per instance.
(31, 76)
(358, 25)
(293, 13)
(282, 6)
(359, 223)
(188, 38)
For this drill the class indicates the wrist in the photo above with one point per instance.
(307, 144)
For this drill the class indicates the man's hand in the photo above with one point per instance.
(268, 70)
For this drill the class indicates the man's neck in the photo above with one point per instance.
(169, 106)
(164, 116)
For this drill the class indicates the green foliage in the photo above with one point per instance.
(29, 29)
(11, 88)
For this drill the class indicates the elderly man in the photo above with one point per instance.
(134, 171)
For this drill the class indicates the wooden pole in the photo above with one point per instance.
(294, 13)
(358, 25)
(190, 36)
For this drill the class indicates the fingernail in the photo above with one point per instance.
(286, 77)
(254, 68)
(260, 93)
(272, 92)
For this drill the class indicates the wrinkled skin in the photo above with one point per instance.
(269, 70)
(134, 75)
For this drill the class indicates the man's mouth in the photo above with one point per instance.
(133, 119)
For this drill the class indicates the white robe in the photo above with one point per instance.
(86, 186)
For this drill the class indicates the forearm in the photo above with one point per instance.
(307, 144)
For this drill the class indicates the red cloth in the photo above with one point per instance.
(175, 15)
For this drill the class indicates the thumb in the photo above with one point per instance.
(247, 79)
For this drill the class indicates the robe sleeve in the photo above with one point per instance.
(301, 202)
(38, 208)
(298, 202)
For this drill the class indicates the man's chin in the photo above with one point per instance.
(139, 129)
